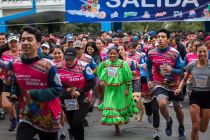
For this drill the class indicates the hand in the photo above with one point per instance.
(166, 69)
(126, 92)
(177, 91)
(70, 90)
(75, 94)
(103, 83)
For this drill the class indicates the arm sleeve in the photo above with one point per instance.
(185, 61)
(179, 66)
(88, 73)
(54, 90)
(93, 64)
(14, 87)
(149, 69)
(97, 59)
(133, 66)
(89, 85)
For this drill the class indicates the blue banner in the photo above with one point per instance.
(137, 10)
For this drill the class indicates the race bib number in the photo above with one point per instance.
(201, 81)
(112, 71)
(71, 104)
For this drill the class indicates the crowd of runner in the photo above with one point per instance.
(49, 83)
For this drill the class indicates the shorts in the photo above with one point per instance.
(200, 98)
(161, 93)
(6, 88)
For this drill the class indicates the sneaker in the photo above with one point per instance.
(182, 133)
(156, 135)
(149, 119)
(2, 116)
(13, 124)
(168, 129)
(62, 137)
(171, 104)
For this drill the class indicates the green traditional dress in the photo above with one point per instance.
(116, 107)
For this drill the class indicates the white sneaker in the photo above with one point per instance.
(171, 104)
(97, 102)
(156, 135)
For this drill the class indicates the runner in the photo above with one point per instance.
(10, 55)
(118, 104)
(166, 64)
(199, 98)
(77, 79)
(39, 88)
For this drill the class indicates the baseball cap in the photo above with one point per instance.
(77, 44)
(152, 33)
(135, 38)
(45, 45)
(13, 37)
(70, 54)
(70, 39)
(125, 39)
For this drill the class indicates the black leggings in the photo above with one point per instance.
(153, 108)
(75, 119)
(26, 131)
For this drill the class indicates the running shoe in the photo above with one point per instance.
(62, 137)
(2, 115)
(182, 133)
(13, 124)
(168, 129)
(171, 104)
(156, 135)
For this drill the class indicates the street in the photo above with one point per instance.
(144, 131)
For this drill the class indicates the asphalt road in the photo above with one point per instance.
(144, 131)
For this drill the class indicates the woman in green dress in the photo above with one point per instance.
(118, 104)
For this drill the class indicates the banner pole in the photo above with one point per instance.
(106, 26)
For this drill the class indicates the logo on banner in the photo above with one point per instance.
(146, 15)
(90, 6)
(102, 15)
(192, 14)
(130, 14)
(114, 15)
(206, 13)
(161, 14)
(178, 14)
